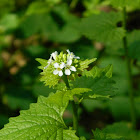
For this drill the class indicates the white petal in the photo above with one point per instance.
(62, 65)
(55, 72)
(68, 51)
(60, 73)
(69, 62)
(72, 68)
(76, 57)
(49, 61)
(67, 72)
(56, 65)
(54, 54)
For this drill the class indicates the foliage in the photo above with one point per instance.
(42, 121)
(92, 29)
(103, 27)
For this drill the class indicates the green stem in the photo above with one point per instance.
(75, 116)
(74, 107)
(129, 73)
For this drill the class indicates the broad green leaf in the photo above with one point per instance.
(37, 7)
(47, 75)
(96, 72)
(9, 22)
(43, 62)
(43, 121)
(84, 64)
(123, 3)
(49, 78)
(101, 86)
(100, 135)
(77, 91)
(102, 27)
(55, 27)
(67, 25)
(116, 131)
(42, 23)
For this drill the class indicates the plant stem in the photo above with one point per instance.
(75, 116)
(74, 107)
(129, 73)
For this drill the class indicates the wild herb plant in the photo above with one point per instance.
(66, 73)
(71, 77)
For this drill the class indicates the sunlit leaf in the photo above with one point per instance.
(42, 121)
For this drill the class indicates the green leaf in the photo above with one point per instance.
(100, 135)
(77, 91)
(9, 22)
(96, 72)
(123, 3)
(42, 121)
(42, 23)
(103, 27)
(101, 86)
(49, 78)
(37, 7)
(84, 64)
(43, 62)
(47, 75)
(116, 131)
(54, 25)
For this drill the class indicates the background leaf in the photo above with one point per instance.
(102, 27)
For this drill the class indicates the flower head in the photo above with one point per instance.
(58, 69)
(69, 68)
(71, 55)
(52, 58)
(54, 55)
(62, 63)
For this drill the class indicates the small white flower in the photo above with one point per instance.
(58, 68)
(49, 62)
(69, 68)
(71, 55)
(53, 55)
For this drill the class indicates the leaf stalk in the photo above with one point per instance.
(129, 73)
(74, 108)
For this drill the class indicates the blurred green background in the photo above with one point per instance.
(32, 29)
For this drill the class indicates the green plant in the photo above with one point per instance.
(44, 119)
(79, 95)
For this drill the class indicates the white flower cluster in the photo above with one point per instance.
(67, 66)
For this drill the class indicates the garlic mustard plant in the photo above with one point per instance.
(59, 68)
(67, 74)
(62, 65)
(62, 62)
